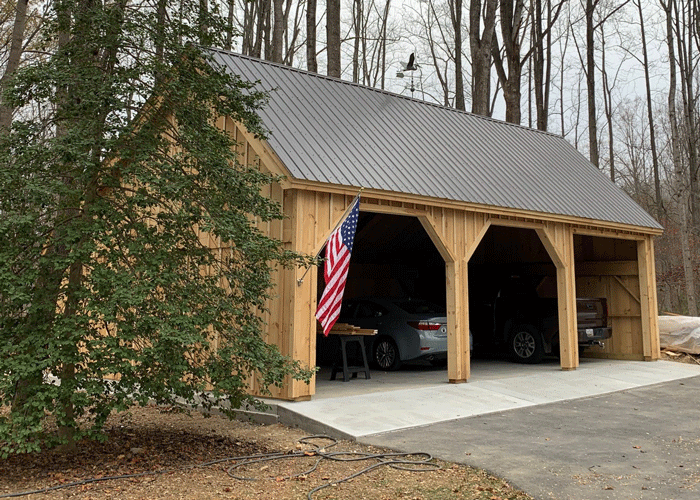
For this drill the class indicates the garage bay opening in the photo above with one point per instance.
(396, 288)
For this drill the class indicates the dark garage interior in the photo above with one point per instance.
(393, 256)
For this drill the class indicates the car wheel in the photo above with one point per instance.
(386, 354)
(526, 344)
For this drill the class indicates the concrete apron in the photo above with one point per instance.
(420, 396)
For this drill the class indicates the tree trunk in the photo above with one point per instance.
(680, 188)
(456, 15)
(382, 66)
(249, 27)
(357, 29)
(480, 47)
(541, 52)
(311, 63)
(13, 60)
(650, 114)
(686, 62)
(607, 101)
(333, 37)
(203, 22)
(278, 30)
(590, 83)
(538, 65)
(262, 30)
(229, 24)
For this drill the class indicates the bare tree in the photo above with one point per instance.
(686, 36)
(609, 82)
(512, 22)
(456, 17)
(650, 114)
(333, 37)
(435, 38)
(681, 193)
(590, 83)
(371, 39)
(543, 19)
(480, 42)
(278, 31)
(311, 63)
(634, 171)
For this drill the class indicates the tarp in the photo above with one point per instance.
(680, 333)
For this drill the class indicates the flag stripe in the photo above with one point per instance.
(338, 250)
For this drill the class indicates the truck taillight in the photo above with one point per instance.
(424, 325)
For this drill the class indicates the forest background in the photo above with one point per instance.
(618, 79)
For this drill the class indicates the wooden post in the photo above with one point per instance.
(458, 362)
(568, 329)
(648, 300)
(456, 234)
(558, 240)
(301, 322)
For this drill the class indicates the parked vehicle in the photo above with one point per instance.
(529, 324)
(407, 329)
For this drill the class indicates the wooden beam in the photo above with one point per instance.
(614, 268)
(568, 328)
(558, 240)
(477, 233)
(267, 155)
(648, 300)
(458, 362)
(456, 233)
(446, 250)
(627, 289)
(390, 209)
(301, 322)
(518, 217)
(552, 245)
(609, 233)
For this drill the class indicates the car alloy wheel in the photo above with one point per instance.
(526, 344)
(386, 354)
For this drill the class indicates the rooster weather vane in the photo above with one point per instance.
(410, 66)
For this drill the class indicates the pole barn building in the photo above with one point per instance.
(449, 200)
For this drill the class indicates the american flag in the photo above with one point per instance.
(338, 249)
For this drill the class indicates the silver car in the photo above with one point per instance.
(406, 329)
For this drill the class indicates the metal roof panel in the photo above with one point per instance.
(337, 132)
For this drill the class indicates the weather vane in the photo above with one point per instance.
(412, 67)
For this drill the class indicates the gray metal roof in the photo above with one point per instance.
(336, 132)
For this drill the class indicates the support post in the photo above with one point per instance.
(558, 240)
(458, 363)
(648, 300)
(301, 322)
(568, 328)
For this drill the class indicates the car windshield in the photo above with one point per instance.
(420, 307)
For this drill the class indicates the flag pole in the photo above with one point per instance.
(342, 219)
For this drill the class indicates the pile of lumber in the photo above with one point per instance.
(347, 329)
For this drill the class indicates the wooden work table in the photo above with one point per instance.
(350, 333)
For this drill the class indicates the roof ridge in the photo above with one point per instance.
(381, 91)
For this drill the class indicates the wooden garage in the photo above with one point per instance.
(462, 176)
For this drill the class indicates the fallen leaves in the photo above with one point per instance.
(147, 440)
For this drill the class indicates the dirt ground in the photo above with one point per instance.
(170, 455)
(195, 455)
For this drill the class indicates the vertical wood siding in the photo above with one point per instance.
(312, 215)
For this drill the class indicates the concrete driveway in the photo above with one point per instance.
(609, 430)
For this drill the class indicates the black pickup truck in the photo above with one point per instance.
(529, 324)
